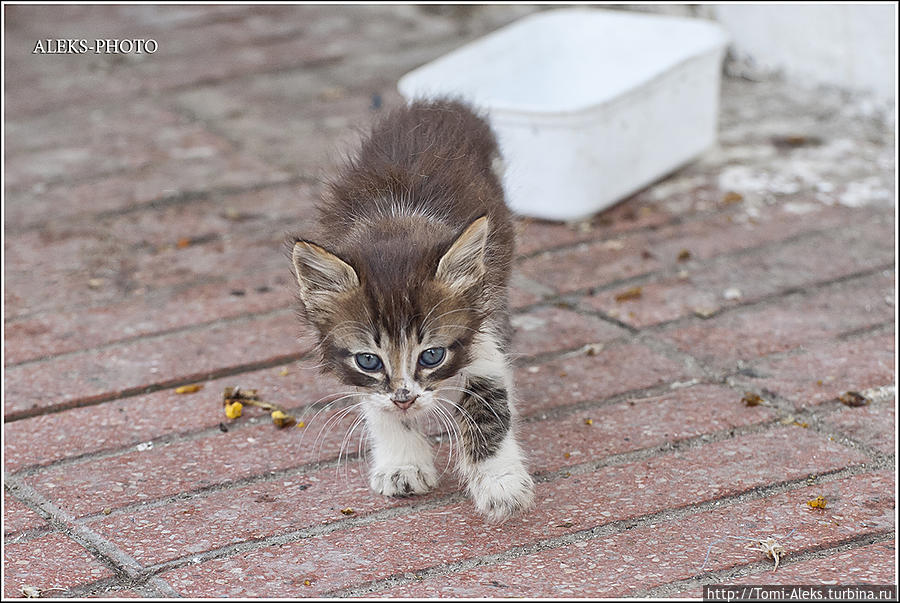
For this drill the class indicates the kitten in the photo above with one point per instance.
(407, 288)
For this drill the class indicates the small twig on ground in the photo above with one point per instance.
(234, 399)
(770, 546)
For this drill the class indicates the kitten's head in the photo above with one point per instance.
(393, 320)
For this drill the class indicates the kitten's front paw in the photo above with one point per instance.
(499, 497)
(404, 480)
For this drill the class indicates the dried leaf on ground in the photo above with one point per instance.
(234, 410)
(771, 547)
(592, 349)
(629, 294)
(31, 592)
(853, 399)
(705, 311)
(232, 394)
(188, 389)
(732, 293)
(751, 399)
(235, 398)
(282, 419)
(818, 502)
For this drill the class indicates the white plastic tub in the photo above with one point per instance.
(589, 105)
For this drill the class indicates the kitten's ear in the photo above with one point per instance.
(319, 271)
(463, 264)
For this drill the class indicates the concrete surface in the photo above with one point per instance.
(145, 202)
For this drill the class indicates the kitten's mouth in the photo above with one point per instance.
(403, 398)
(404, 404)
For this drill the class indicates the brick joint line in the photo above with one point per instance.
(603, 530)
(123, 565)
(723, 576)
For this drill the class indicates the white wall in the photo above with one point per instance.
(849, 45)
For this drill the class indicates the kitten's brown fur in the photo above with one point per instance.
(416, 245)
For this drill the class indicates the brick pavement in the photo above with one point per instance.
(145, 202)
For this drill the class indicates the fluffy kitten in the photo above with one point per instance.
(406, 285)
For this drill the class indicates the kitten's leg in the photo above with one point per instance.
(492, 461)
(403, 459)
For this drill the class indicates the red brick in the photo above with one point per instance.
(612, 370)
(57, 332)
(264, 115)
(123, 190)
(523, 292)
(870, 239)
(276, 114)
(823, 371)
(667, 551)
(872, 425)
(137, 252)
(110, 371)
(16, 516)
(662, 298)
(51, 561)
(786, 324)
(78, 20)
(114, 593)
(249, 512)
(721, 233)
(123, 423)
(127, 136)
(631, 214)
(83, 376)
(772, 270)
(546, 330)
(411, 542)
(269, 508)
(181, 59)
(147, 284)
(872, 564)
(635, 424)
(169, 469)
(591, 264)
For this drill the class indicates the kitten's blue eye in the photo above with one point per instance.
(368, 362)
(432, 357)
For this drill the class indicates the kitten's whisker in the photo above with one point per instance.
(337, 397)
(444, 428)
(330, 422)
(314, 367)
(452, 431)
(341, 396)
(350, 326)
(425, 325)
(466, 415)
(433, 308)
(436, 329)
(471, 419)
(344, 442)
(480, 398)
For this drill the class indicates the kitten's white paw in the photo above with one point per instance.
(500, 496)
(404, 480)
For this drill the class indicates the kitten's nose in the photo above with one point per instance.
(403, 399)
